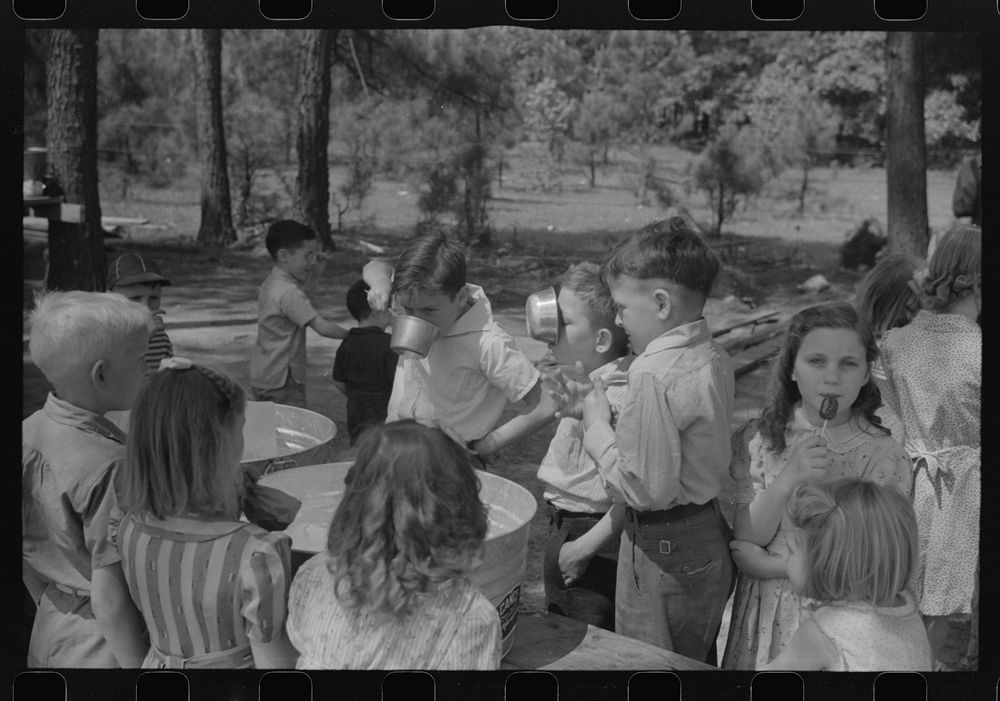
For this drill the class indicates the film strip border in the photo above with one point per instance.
(952, 15)
(918, 15)
(492, 686)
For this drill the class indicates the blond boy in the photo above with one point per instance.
(91, 347)
(582, 553)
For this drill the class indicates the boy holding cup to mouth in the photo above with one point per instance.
(473, 370)
(581, 556)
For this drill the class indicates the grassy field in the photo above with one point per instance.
(211, 308)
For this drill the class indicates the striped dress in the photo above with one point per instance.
(454, 628)
(205, 588)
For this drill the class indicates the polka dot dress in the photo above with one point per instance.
(766, 611)
(933, 369)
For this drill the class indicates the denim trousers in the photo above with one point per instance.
(591, 598)
(674, 579)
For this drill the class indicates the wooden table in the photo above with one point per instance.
(551, 641)
(45, 207)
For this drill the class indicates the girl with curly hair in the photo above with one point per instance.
(392, 589)
(818, 423)
(933, 381)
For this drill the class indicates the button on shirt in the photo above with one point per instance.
(467, 378)
(68, 459)
(671, 445)
(573, 482)
(283, 310)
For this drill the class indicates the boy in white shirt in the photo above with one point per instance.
(473, 370)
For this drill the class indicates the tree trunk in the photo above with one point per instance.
(906, 158)
(76, 251)
(216, 209)
(804, 188)
(313, 196)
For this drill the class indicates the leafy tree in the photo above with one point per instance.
(792, 123)
(254, 130)
(216, 211)
(76, 252)
(548, 116)
(727, 170)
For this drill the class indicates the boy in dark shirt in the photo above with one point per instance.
(365, 365)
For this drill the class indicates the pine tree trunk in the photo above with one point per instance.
(313, 197)
(76, 251)
(216, 209)
(906, 158)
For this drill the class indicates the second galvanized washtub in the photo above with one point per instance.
(499, 576)
(304, 438)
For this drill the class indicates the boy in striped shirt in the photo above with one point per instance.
(139, 279)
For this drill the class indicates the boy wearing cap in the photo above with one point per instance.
(139, 279)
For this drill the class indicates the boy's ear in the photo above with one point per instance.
(604, 338)
(663, 301)
(99, 374)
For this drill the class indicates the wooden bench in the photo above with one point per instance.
(752, 351)
(752, 322)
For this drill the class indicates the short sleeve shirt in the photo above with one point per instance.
(467, 379)
(68, 460)
(283, 311)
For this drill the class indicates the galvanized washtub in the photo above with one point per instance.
(303, 438)
(499, 576)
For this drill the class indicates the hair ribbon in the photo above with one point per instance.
(175, 363)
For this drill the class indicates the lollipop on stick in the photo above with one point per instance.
(827, 410)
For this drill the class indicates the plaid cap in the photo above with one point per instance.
(133, 269)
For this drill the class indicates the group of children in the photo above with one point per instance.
(847, 542)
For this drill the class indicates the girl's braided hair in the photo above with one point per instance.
(955, 268)
(180, 443)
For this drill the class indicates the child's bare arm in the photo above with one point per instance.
(277, 654)
(756, 561)
(543, 410)
(327, 328)
(809, 649)
(760, 523)
(575, 556)
(117, 616)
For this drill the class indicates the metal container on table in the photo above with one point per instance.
(303, 438)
